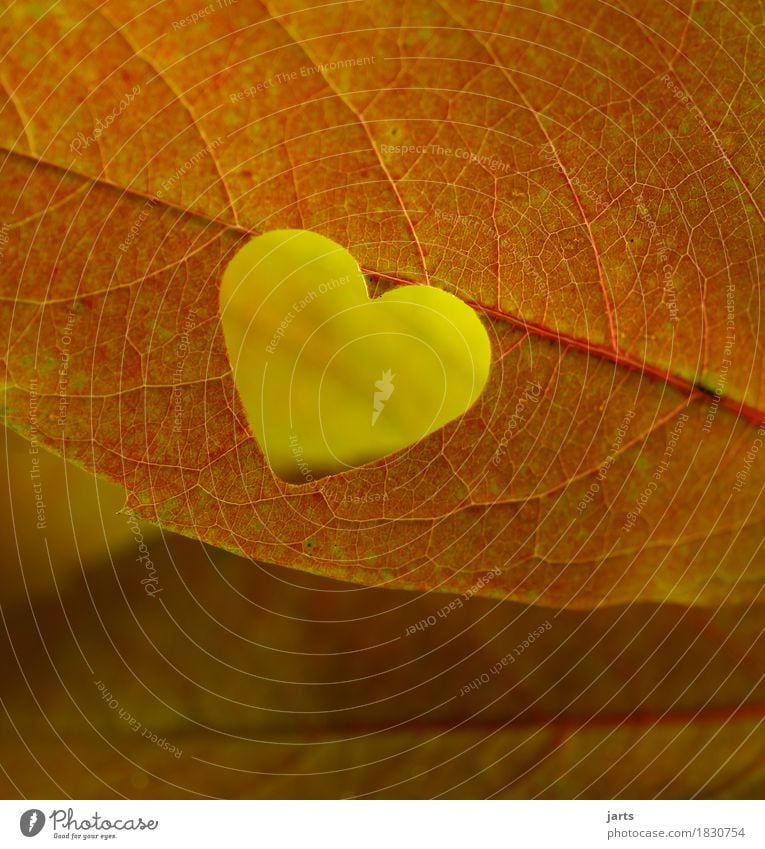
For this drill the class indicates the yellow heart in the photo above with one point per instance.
(330, 379)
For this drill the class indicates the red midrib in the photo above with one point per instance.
(693, 391)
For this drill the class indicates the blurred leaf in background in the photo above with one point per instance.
(56, 520)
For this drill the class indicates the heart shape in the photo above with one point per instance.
(330, 379)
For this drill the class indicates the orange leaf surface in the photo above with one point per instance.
(589, 179)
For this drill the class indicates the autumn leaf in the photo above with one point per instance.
(588, 179)
(241, 680)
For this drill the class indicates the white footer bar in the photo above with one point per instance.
(383, 824)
